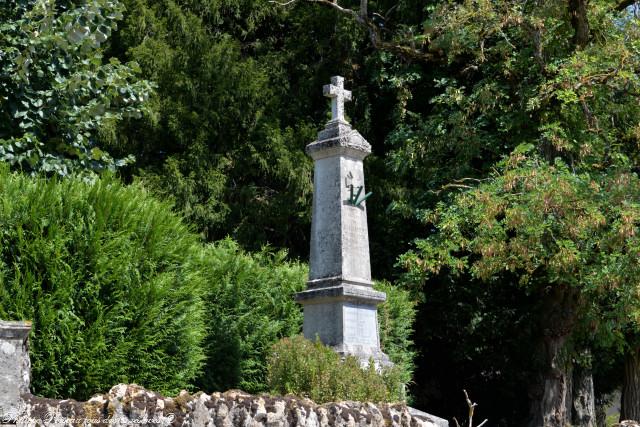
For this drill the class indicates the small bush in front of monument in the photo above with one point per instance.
(310, 369)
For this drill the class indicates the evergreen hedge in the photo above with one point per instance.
(105, 273)
(250, 306)
(396, 318)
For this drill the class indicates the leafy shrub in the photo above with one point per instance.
(105, 274)
(250, 306)
(60, 98)
(311, 369)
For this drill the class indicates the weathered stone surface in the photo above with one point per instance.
(338, 96)
(341, 290)
(339, 233)
(132, 405)
(15, 367)
(338, 138)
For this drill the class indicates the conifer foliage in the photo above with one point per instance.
(104, 273)
(250, 306)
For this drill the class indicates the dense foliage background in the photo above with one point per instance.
(60, 98)
(250, 304)
(505, 138)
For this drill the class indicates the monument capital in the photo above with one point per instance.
(338, 137)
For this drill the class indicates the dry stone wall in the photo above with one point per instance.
(132, 405)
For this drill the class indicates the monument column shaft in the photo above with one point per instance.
(339, 234)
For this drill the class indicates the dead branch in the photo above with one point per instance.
(286, 3)
(453, 185)
(472, 407)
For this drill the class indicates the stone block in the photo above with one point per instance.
(339, 232)
(345, 317)
(15, 367)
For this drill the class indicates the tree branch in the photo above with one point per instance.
(359, 18)
(363, 8)
(362, 18)
(285, 3)
(472, 407)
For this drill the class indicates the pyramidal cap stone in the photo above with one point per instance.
(340, 302)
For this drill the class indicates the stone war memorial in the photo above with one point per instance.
(340, 302)
(340, 307)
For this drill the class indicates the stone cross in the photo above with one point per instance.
(338, 95)
(340, 302)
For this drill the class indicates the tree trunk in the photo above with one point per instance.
(601, 415)
(584, 406)
(363, 8)
(568, 398)
(549, 409)
(580, 22)
(631, 386)
(548, 399)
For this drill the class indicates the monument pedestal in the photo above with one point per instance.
(340, 302)
(345, 317)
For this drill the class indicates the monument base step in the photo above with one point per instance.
(440, 422)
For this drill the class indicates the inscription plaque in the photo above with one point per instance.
(360, 325)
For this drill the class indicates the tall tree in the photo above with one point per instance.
(571, 238)
(560, 78)
(232, 116)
